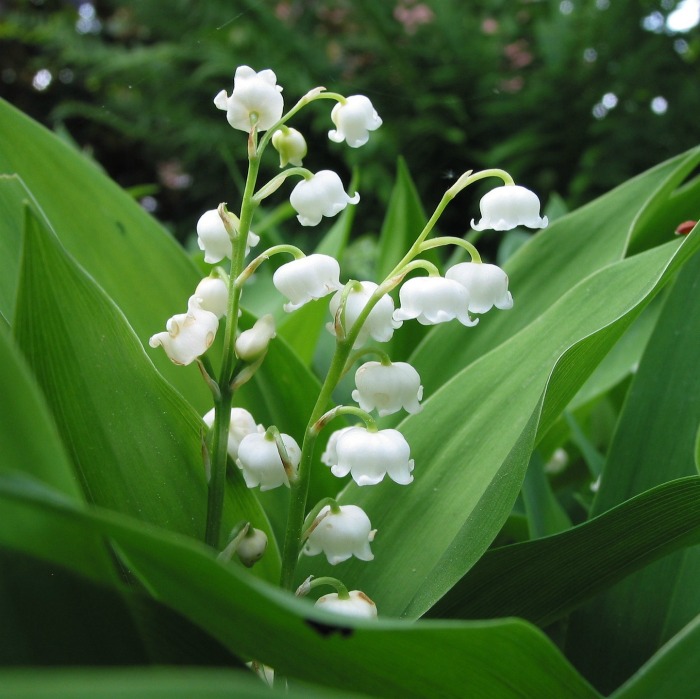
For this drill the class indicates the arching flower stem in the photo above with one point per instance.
(451, 240)
(295, 252)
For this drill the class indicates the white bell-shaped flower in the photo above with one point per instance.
(212, 237)
(379, 325)
(369, 456)
(330, 455)
(212, 293)
(353, 120)
(255, 99)
(487, 285)
(252, 344)
(321, 195)
(357, 605)
(290, 144)
(509, 206)
(341, 535)
(251, 548)
(188, 335)
(432, 300)
(388, 388)
(260, 461)
(242, 423)
(306, 279)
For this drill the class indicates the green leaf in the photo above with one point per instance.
(553, 262)
(136, 444)
(543, 580)
(123, 248)
(473, 439)
(544, 513)
(672, 672)
(491, 660)
(654, 442)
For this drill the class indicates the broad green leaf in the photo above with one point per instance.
(553, 262)
(490, 660)
(654, 442)
(473, 439)
(544, 513)
(150, 683)
(53, 616)
(11, 191)
(125, 250)
(135, 443)
(672, 672)
(545, 579)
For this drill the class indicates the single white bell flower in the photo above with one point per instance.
(242, 423)
(487, 285)
(188, 335)
(341, 535)
(356, 605)
(290, 144)
(306, 279)
(369, 456)
(353, 120)
(321, 195)
(379, 325)
(252, 344)
(255, 99)
(388, 388)
(260, 461)
(509, 206)
(432, 300)
(251, 548)
(212, 293)
(212, 237)
(330, 456)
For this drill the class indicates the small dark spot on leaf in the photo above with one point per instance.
(329, 629)
(120, 227)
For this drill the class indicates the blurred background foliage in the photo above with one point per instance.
(572, 97)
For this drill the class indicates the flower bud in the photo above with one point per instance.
(369, 456)
(260, 461)
(509, 206)
(379, 324)
(213, 295)
(353, 120)
(255, 100)
(213, 238)
(432, 300)
(242, 423)
(321, 195)
(341, 535)
(291, 146)
(251, 547)
(188, 335)
(388, 388)
(306, 279)
(357, 604)
(487, 285)
(252, 344)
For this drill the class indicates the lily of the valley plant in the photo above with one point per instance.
(359, 311)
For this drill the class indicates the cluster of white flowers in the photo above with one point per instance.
(361, 310)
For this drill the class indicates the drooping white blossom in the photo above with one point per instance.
(353, 120)
(188, 335)
(252, 547)
(509, 206)
(321, 195)
(260, 461)
(379, 325)
(255, 100)
(252, 344)
(356, 605)
(306, 279)
(369, 456)
(213, 295)
(341, 535)
(291, 145)
(432, 300)
(388, 388)
(242, 423)
(330, 456)
(213, 238)
(487, 285)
